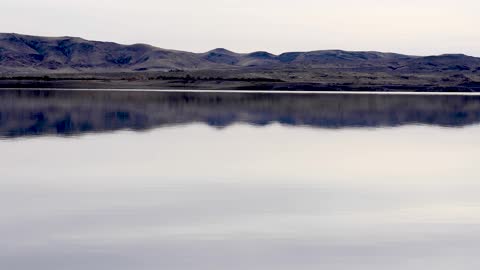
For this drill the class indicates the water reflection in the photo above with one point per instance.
(285, 196)
(193, 198)
(35, 112)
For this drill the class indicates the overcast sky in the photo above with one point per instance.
(407, 26)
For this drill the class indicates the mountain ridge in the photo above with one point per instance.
(72, 62)
(35, 54)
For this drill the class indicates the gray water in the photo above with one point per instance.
(107, 180)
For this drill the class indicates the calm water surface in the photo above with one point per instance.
(127, 181)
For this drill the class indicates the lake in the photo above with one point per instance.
(205, 181)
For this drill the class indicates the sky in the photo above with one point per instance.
(417, 27)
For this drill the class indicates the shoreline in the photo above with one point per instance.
(123, 82)
(226, 91)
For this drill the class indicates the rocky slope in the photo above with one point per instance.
(31, 54)
(69, 62)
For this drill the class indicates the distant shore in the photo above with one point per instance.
(67, 62)
(225, 91)
(219, 84)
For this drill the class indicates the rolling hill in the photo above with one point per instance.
(23, 56)
(31, 54)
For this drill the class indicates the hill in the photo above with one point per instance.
(23, 56)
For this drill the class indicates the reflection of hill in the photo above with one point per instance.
(26, 113)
